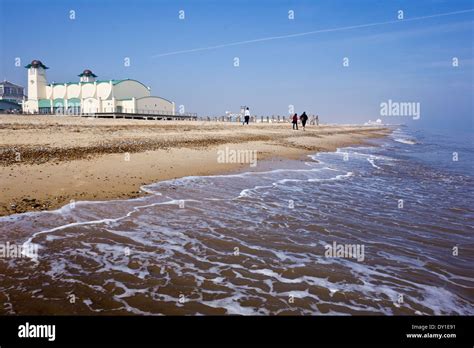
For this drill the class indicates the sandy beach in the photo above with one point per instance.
(47, 161)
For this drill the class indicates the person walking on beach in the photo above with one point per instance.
(317, 120)
(303, 119)
(247, 116)
(295, 121)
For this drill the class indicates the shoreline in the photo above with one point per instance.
(64, 159)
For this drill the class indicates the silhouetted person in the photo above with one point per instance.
(317, 120)
(303, 119)
(295, 121)
(247, 116)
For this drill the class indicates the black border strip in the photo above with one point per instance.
(212, 330)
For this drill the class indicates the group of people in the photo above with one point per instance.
(303, 119)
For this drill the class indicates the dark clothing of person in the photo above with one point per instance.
(303, 119)
(247, 119)
(295, 122)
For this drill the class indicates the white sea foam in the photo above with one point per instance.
(406, 141)
(372, 162)
(249, 210)
(337, 177)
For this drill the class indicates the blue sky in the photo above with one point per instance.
(406, 61)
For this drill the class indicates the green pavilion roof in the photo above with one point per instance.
(87, 72)
(36, 64)
(114, 82)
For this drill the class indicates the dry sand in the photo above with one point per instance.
(47, 161)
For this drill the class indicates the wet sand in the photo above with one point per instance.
(48, 161)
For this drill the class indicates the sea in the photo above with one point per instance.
(380, 229)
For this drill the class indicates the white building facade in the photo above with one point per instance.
(90, 96)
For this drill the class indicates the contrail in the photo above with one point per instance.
(310, 33)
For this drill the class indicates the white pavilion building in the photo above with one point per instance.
(89, 95)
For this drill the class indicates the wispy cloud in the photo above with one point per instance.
(417, 32)
(280, 37)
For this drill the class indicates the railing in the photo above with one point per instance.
(143, 112)
(145, 116)
(76, 111)
(157, 114)
(254, 119)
